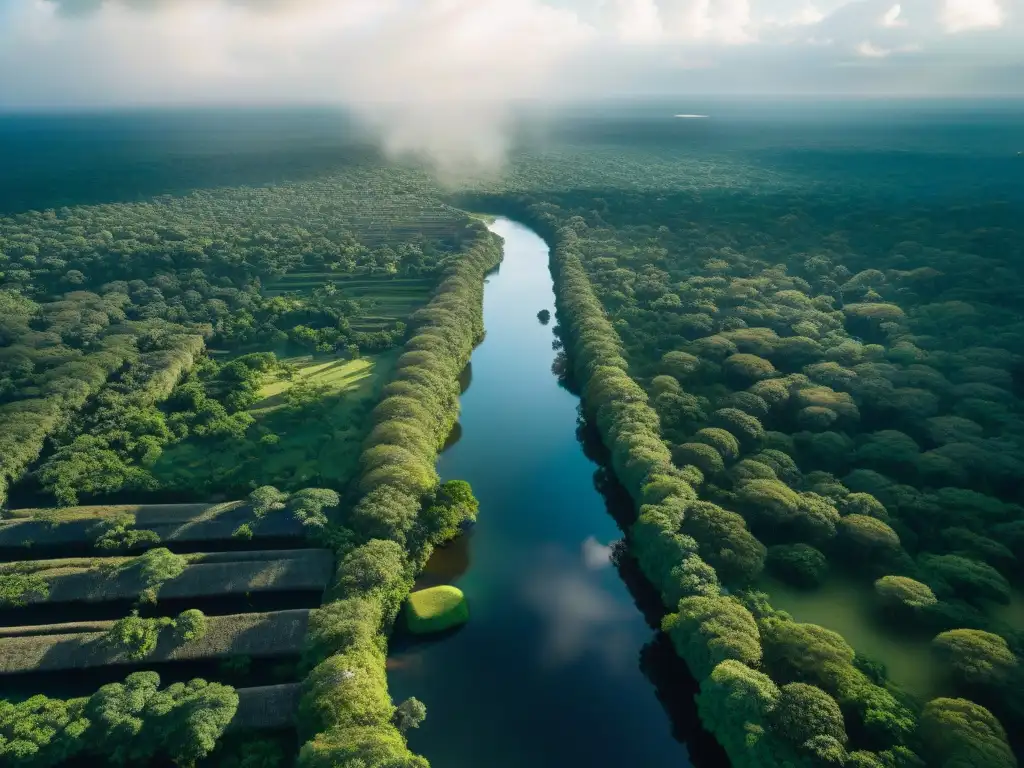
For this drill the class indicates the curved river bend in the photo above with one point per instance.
(547, 672)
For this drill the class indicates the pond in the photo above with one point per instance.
(848, 606)
(548, 670)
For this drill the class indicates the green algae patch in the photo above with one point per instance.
(436, 609)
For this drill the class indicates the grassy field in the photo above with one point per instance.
(102, 511)
(259, 635)
(314, 443)
(355, 378)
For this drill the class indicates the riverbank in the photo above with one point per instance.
(554, 632)
(346, 712)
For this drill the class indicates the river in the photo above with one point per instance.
(547, 671)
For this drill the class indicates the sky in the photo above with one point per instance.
(76, 53)
(73, 54)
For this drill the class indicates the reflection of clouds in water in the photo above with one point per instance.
(595, 554)
(582, 617)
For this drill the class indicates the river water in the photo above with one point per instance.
(547, 671)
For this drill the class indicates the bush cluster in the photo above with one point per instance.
(129, 723)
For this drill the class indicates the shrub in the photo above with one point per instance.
(708, 630)
(363, 746)
(868, 537)
(903, 593)
(122, 537)
(308, 505)
(376, 569)
(816, 418)
(798, 564)
(956, 733)
(157, 566)
(340, 625)
(975, 657)
(749, 403)
(679, 365)
(701, 455)
(744, 369)
(409, 714)
(136, 636)
(135, 721)
(802, 652)
(349, 689)
(749, 469)
(17, 588)
(774, 392)
(746, 428)
(804, 712)
(968, 579)
(190, 625)
(725, 543)
(267, 499)
(723, 442)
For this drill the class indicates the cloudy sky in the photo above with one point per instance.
(94, 53)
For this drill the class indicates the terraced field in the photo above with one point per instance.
(59, 613)
(181, 527)
(392, 298)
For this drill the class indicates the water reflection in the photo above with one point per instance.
(448, 563)
(453, 437)
(595, 554)
(579, 615)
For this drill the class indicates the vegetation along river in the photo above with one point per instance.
(547, 671)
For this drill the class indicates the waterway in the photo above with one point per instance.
(548, 670)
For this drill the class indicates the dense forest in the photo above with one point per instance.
(806, 365)
(824, 381)
(108, 307)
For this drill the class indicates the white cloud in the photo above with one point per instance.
(892, 18)
(637, 21)
(964, 15)
(869, 50)
(809, 14)
(724, 21)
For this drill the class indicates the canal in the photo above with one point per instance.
(548, 670)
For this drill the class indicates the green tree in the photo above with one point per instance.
(975, 657)
(804, 712)
(409, 714)
(709, 630)
(956, 733)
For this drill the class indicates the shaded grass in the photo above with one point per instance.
(266, 707)
(257, 635)
(206, 575)
(77, 527)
